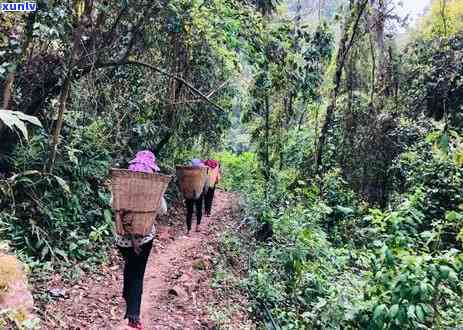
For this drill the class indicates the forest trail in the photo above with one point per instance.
(177, 291)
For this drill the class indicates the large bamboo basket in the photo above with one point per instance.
(136, 200)
(192, 180)
(213, 174)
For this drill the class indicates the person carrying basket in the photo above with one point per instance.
(193, 182)
(191, 203)
(214, 178)
(135, 249)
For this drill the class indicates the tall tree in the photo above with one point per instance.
(346, 42)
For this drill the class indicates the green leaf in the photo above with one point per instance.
(379, 312)
(426, 309)
(22, 128)
(25, 173)
(7, 118)
(63, 184)
(16, 119)
(31, 119)
(415, 291)
(389, 257)
(393, 311)
(44, 252)
(420, 313)
(104, 197)
(61, 253)
(432, 137)
(444, 143)
(453, 278)
(344, 210)
(411, 312)
(108, 216)
(453, 216)
(423, 289)
(444, 272)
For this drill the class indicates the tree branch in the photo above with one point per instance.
(217, 89)
(170, 75)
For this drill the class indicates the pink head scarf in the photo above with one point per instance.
(144, 161)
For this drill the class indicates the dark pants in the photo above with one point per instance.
(190, 204)
(208, 200)
(134, 271)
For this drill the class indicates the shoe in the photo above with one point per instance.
(135, 325)
(198, 229)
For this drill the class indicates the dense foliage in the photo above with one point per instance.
(376, 242)
(103, 105)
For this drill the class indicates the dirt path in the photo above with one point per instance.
(177, 289)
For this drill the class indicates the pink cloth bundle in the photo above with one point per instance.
(144, 161)
(211, 163)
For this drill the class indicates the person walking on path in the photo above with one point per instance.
(136, 250)
(192, 203)
(214, 178)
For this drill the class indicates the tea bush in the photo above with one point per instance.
(332, 262)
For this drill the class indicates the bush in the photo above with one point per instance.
(438, 180)
(333, 262)
(239, 172)
(406, 290)
(65, 215)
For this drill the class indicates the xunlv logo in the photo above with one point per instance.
(19, 6)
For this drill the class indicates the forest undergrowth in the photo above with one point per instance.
(326, 259)
(339, 122)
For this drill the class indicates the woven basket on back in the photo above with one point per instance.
(136, 200)
(192, 180)
(213, 176)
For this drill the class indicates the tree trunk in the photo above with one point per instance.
(7, 91)
(9, 84)
(267, 137)
(345, 45)
(377, 22)
(59, 123)
(373, 68)
(77, 37)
